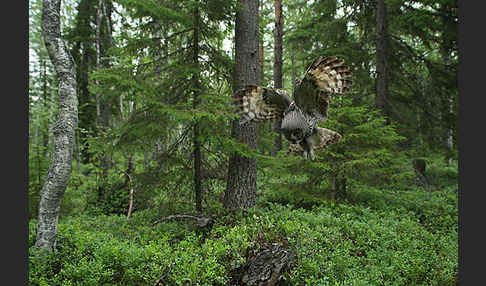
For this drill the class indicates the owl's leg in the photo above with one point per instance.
(312, 154)
(308, 146)
(305, 154)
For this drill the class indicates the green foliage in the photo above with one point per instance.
(367, 152)
(381, 238)
(387, 228)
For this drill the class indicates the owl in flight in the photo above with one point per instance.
(297, 118)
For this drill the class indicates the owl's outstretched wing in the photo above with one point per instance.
(323, 78)
(321, 140)
(257, 103)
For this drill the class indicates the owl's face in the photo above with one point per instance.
(295, 136)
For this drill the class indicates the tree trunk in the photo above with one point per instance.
(277, 63)
(445, 49)
(84, 59)
(294, 72)
(37, 148)
(381, 59)
(339, 186)
(77, 152)
(197, 88)
(98, 58)
(45, 135)
(242, 171)
(64, 129)
(51, 115)
(87, 112)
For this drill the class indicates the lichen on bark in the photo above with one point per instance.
(63, 130)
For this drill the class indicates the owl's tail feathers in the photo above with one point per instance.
(323, 138)
(249, 103)
(331, 75)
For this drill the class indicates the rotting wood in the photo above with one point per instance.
(267, 267)
(200, 221)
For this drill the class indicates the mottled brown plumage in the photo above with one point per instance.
(323, 138)
(323, 79)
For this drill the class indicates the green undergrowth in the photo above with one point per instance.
(374, 238)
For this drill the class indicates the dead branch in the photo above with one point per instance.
(200, 221)
(129, 178)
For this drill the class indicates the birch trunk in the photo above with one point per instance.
(242, 171)
(63, 130)
(51, 115)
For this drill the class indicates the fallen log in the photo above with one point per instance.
(200, 221)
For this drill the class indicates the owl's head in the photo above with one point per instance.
(294, 136)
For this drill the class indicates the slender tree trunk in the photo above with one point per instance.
(381, 59)
(77, 153)
(242, 171)
(98, 58)
(277, 63)
(278, 33)
(294, 72)
(197, 88)
(87, 111)
(449, 102)
(64, 129)
(101, 107)
(103, 43)
(37, 148)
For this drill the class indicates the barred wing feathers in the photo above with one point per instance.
(258, 104)
(324, 77)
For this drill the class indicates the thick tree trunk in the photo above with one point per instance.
(277, 63)
(196, 143)
(64, 129)
(381, 59)
(242, 171)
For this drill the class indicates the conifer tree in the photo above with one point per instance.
(242, 171)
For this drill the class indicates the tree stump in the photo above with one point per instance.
(267, 267)
(419, 166)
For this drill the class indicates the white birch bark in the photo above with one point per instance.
(63, 130)
(51, 121)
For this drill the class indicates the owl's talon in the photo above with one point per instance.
(312, 155)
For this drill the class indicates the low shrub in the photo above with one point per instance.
(337, 244)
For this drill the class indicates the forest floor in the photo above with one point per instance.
(375, 237)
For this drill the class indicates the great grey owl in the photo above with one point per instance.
(297, 119)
